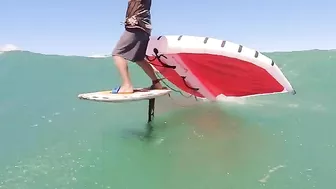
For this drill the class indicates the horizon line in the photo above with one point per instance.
(102, 55)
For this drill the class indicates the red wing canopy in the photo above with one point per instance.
(212, 68)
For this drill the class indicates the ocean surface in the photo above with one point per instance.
(51, 139)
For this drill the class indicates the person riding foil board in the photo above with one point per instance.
(132, 45)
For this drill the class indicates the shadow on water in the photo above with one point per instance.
(145, 134)
(206, 122)
(220, 143)
(206, 132)
(209, 119)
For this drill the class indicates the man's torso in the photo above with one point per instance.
(138, 15)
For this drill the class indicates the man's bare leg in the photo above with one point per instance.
(148, 69)
(126, 85)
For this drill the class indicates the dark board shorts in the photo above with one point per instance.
(132, 45)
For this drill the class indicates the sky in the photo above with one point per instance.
(93, 27)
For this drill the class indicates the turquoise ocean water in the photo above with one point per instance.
(51, 139)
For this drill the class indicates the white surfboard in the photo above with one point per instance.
(107, 96)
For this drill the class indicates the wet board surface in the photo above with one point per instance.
(139, 94)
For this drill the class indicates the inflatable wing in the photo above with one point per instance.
(211, 68)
